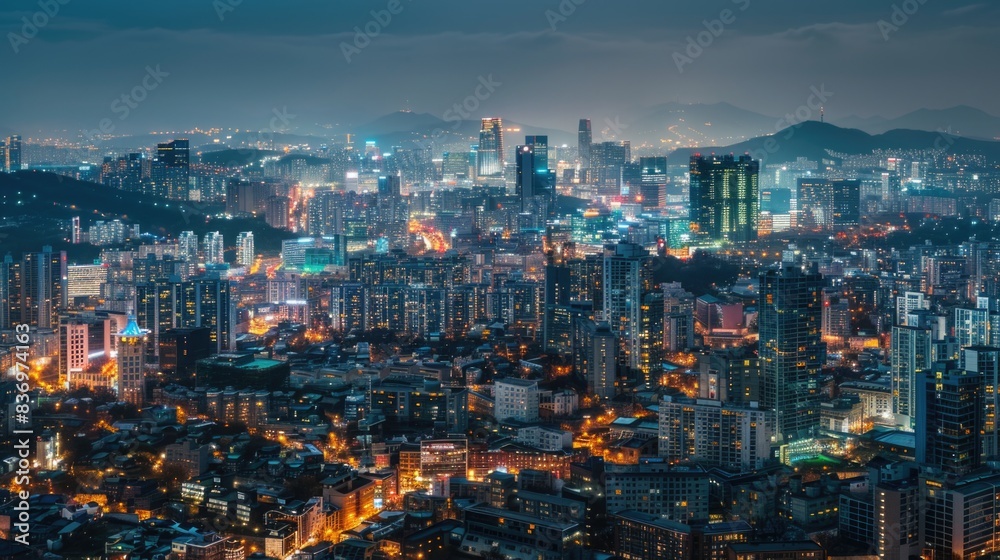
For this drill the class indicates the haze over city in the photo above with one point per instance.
(522, 280)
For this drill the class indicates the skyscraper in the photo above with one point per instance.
(952, 416)
(187, 247)
(10, 292)
(170, 171)
(653, 182)
(826, 204)
(791, 349)
(627, 279)
(12, 155)
(131, 358)
(43, 288)
(215, 248)
(490, 156)
(910, 357)
(585, 139)
(245, 254)
(526, 176)
(725, 197)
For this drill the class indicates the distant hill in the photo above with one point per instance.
(961, 121)
(689, 124)
(816, 140)
(35, 209)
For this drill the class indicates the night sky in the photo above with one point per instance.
(602, 59)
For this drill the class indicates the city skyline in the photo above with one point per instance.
(645, 45)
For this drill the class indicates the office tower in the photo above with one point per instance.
(214, 248)
(187, 247)
(791, 349)
(730, 375)
(725, 198)
(627, 279)
(526, 176)
(557, 298)
(607, 161)
(389, 185)
(972, 327)
(131, 358)
(180, 350)
(651, 336)
(909, 301)
(585, 139)
(951, 418)
(76, 234)
(204, 302)
(985, 360)
(827, 204)
(10, 292)
(12, 155)
(540, 148)
(910, 357)
(245, 254)
(653, 182)
(490, 156)
(170, 170)
(43, 288)
(957, 519)
(455, 166)
(595, 356)
(678, 320)
(714, 433)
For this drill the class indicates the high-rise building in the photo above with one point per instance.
(557, 297)
(827, 204)
(713, 433)
(214, 248)
(627, 279)
(490, 156)
(653, 182)
(585, 138)
(986, 361)
(201, 302)
(131, 358)
(245, 254)
(10, 292)
(725, 198)
(910, 357)
(595, 356)
(791, 349)
(170, 170)
(952, 416)
(526, 186)
(678, 320)
(12, 154)
(43, 288)
(187, 247)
